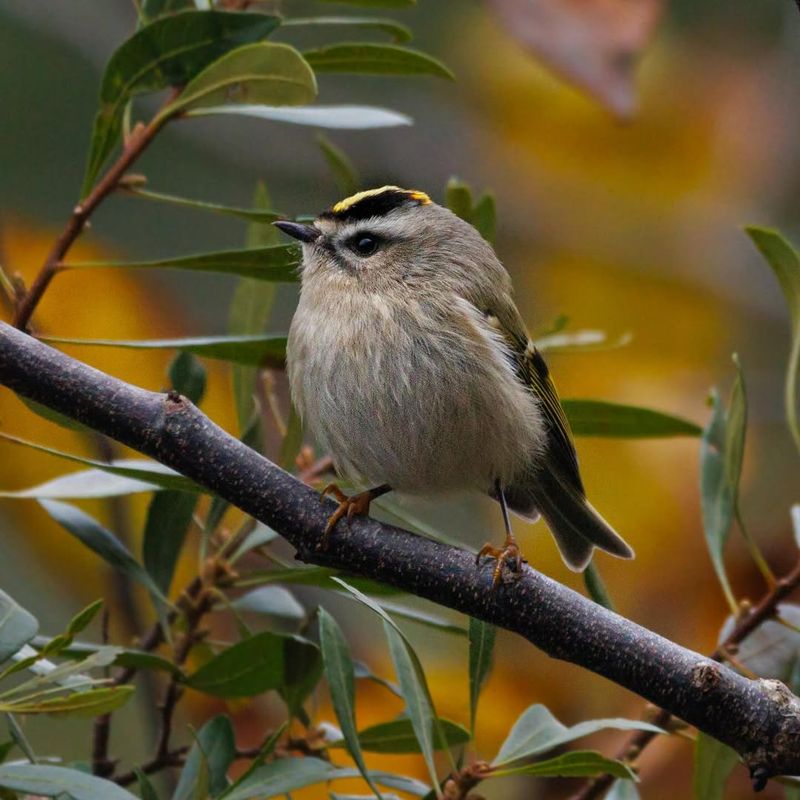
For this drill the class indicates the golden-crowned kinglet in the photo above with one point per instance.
(411, 365)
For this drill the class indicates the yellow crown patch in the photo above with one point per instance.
(349, 202)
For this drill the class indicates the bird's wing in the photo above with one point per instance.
(532, 370)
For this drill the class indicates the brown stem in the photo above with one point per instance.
(175, 758)
(101, 729)
(137, 143)
(763, 611)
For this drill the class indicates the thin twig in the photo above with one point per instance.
(101, 729)
(140, 138)
(763, 611)
(175, 758)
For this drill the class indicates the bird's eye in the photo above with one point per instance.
(364, 244)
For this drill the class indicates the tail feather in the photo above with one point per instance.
(577, 527)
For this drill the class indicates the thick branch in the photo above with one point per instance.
(759, 719)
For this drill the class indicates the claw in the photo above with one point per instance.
(507, 556)
(357, 505)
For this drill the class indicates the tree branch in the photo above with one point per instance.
(760, 719)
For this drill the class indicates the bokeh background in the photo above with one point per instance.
(629, 227)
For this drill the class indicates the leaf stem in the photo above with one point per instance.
(137, 143)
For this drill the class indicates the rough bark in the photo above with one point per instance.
(760, 719)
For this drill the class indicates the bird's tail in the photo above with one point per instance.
(575, 524)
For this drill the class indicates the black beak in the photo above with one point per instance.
(297, 230)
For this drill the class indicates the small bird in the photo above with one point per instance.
(410, 364)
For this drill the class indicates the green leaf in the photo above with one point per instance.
(253, 350)
(250, 311)
(318, 116)
(623, 790)
(188, 376)
(276, 263)
(168, 518)
(17, 626)
(266, 750)
(484, 217)
(411, 677)
(252, 666)
(92, 534)
(785, 263)
(272, 601)
(259, 536)
(302, 672)
(139, 469)
(596, 587)
(717, 491)
(150, 9)
(85, 704)
(458, 198)
(367, 58)
(575, 764)
(481, 647)
(6, 748)
(83, 619)
(422, 617)
(61, 420)
(123, 657)
(713, 763)
(312, 576)
(168, 52)
(400, 33)
(261, 215)
(537, 731)
(254, 74)
(341, 683)
(146, 789)
(581, 341)
(363, 672)
(601, 418)
(85, 484)
(286, 775)
(215, 747)
(341, 167)
(50, 781)
(398, 736)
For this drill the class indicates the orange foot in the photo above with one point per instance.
(358, 504)
(509, 555)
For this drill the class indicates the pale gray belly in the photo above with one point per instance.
(418, 408)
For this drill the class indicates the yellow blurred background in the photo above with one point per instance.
(626, 227)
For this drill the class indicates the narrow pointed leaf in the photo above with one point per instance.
(215, 749)
(254, 74)
(275, 263)
(345, 117)
(188, 376)
(17, 626)
(398, 737)
(272, 601)
(138, 469)
(302, 672)
(85, 704)
(146, 789)
(168, 519)
(247, 214)
(581, 341)
(341, 684)
(484, 217)
(168, 52)
(537, 731)
(85, 484)
(266, 751)
(576, 764)
(251, 350)
(400, 33)
(51, 781)
(411, 678)
(458, 198)
(97, 538)
(713, 764)
(601, 418)
(785, 263)
(340, 166)
(250, 311)
(623, 790)
(481, 648)
(375, 59)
